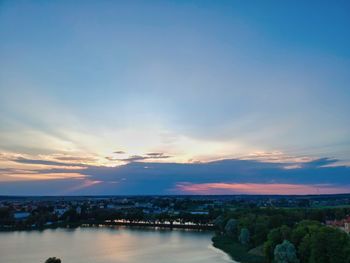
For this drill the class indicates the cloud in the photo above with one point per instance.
(15, 171)
(46, 162)
(249, 188)
(157, 155)
(49, 187)
(85, 184)
(138, 158)
(75, 158)
(134, 158)
(222, 176)
(277, 157)
(119, 152)
(322, 162)
(162, 178)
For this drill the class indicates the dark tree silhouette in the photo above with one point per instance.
(53, 260)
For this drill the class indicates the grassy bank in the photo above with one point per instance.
(236, 250)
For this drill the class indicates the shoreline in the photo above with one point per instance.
(236, 251)
(108, 224)
(227, 256)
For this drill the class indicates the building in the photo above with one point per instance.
(343, 224)
(347, 227)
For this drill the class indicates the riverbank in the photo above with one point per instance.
(237, 251)
(95, 223)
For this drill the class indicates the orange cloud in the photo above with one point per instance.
(44, 176)
(253, 188)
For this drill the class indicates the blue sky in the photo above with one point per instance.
(99, 85)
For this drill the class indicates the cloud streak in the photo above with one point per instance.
(46, 162)
(138, 158)
(260, 189)
(149, 174)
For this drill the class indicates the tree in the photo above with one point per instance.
(53, 260)
(231, 227)
(317, 243)
(285, 253)
(276, 221)
(275, 237)
(219, 223)
(6, 217)
(260, 231)
(329, 245)
(244, 236)
(304, 248)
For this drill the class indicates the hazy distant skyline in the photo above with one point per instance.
(172, 97)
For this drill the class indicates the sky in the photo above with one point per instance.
(174, 97)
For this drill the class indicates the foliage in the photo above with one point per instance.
(219, 223)
(6, 218)
(236, 250)
(285, 253)
(314, 243)
(231, 227)
(244, 236)
(53, 260)
(328, 245)
(275, 237)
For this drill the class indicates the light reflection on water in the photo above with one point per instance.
(107, 245)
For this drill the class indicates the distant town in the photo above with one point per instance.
(171, 211)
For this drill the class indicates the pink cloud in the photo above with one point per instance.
(85, 183)
(254, 188)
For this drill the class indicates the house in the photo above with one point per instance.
(343, 224)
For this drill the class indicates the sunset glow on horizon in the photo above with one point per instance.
(260, 189)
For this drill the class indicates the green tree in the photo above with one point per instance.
(6, 217)
(244, 236)
(329, 245)
(219, 223)
(53, 260)
(231, 227)
(285, 253)
(304, 248)
(275, 237)
(260, 230)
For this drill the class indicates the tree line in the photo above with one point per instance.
(285, 235)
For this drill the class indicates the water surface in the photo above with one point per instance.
(107, 245)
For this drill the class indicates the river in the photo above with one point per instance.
(107, 245)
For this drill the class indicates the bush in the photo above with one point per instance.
(53, 260)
